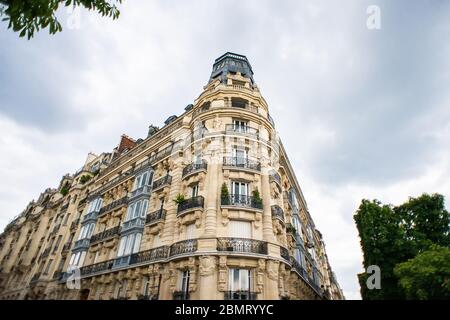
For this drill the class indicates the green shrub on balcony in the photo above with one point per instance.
(291, 229)
(180, 198)
(224, 195)
(64, 190)
(256, 197)
(85, 178)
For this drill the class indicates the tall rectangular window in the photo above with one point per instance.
(239, 188)
(190, 231)
(194, 190)
(240, 229)
(240, 125)
(240, 280)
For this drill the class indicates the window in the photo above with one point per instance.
(299, 257)
(240, 125)
(190, 231)
(143, 179)
(156, 241)
(183, 281)
(86, 231)
(240, 229)
(77, 259)
(57, 243)
(137, 209)
(239, 280)
(297, 225)
(95, 205)
(240, 154)
(194, 190)
(239, 188)
(129, 244)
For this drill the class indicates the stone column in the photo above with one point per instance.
(271, 283)
(267, 213)
(207, 282)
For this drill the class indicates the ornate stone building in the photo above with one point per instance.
(207, 207)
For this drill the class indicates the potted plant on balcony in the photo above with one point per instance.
(224, 195)
(179, 199)
(256, 201)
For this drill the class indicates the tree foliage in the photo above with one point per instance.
(392, 235)
(28, 16)
(427, 276)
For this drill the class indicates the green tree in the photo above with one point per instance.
(392, 235)
(224, 194)
(427, 276)
(28, 16)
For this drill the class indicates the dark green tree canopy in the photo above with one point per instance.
(28, 16)
(392, 235)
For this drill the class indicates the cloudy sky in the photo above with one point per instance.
(362, 113)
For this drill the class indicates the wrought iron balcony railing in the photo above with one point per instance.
(91, 216)
(97, 267)
(183, 247)
(242, 129)
(137, 223)
(141, 191)
(277, 212)
(242, 245)
(241, 162)
(275, 177)
(240, 200)
(194, 202)
(104, 235)
(82, 244)
(150, 255)
(298, 267)
(162, 182)
(155, 216)
(113, 205)
(284, 253)
(240, 295)
(181, 295)
(195, 167)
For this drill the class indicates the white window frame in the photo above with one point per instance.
(244, 279)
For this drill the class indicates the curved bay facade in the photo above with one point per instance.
(207, 207)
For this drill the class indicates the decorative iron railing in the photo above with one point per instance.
(277, 212)
(81, 244)
(97, 267)
(162, 182)
(194, 167)
(150, 255)
(284, 253)
(183, 247)
(194, 202)
(240, 200)
(155, 216)
(240, 295)
(91, 216)
(241, 129)
(144, 190)
(241, 162)
(275, 177)
(181, 295)
(113, 205)
(242, 245)
(136, 223)
(104, 235)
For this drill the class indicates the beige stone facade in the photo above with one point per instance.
(207, 207)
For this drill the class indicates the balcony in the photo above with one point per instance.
(242, 163)
(242, 130)
(105, 235)
(189, 204)
(154, 217)
(180, 295)
(239, 200)
(82, 244)
(141, 191)
(121, 261)
(275, 177)
(96, 268)
(132, 225)
(74, 224)
(66, 246)
(242, 245)
(194, 168)
(277, 213)
(240, 295)
(91, 216)
(113, 205)
(162, 182)
(183, 247)
(284, 253)
(150, 255)
(299, 269)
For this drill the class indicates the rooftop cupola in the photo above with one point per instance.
(231, 63)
